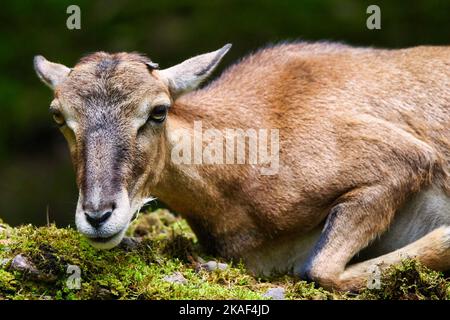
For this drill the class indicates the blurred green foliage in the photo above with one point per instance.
(35, 171)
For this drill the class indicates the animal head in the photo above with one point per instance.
(112, 109)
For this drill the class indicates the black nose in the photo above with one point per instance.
(96, 219)
(97, 213)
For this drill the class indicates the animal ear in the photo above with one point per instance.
(50, 73)
(189, 74)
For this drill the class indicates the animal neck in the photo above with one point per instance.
(186, 184)
(195, 177)
(202, 191)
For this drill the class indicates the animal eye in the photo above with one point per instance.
(58, 118)
(158, 113)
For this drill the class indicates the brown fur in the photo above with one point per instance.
(361, 131)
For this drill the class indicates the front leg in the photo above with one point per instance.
(387, 166)
(357, 218)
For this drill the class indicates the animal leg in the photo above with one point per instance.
(432, 250)
(352, 224)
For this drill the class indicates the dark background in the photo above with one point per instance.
(35, 171)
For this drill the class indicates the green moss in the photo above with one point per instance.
(410, 281)
(166, 246)
(7, 281)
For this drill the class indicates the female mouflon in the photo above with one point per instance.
(362, 153)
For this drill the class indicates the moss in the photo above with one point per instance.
(7, 281)
(166, 245)
(410, 281)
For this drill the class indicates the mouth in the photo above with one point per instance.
(104, 239)
(111, 241)
(108, 242)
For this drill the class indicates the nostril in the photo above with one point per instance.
(105, 216)
(96, 219)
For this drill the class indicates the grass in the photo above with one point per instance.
(166, 246)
